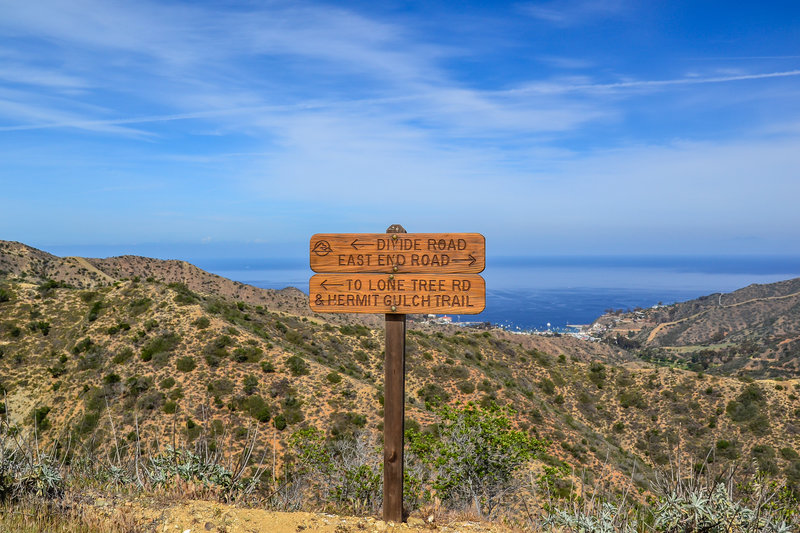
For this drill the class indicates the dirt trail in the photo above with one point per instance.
(659, 327)
(196, 516)
(91, 268)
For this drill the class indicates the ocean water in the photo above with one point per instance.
(530, 293)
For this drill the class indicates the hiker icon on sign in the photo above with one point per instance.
(322, 248)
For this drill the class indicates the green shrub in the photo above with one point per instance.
(334, 377)
(547, 386)
(40, 325)
(747, 405)
(5, 295)
(474, 458)
(466, 387)
(170, 407)
(294, 337)
(183, 295)
(789, 454)
(94, 311)
(248, 354)
(202, 322)
(123, 355)
(356, 330)
(139, 306)
(40, 417)
(221, 386)
(280, 422)
(597, 374)
(186, 363)
(433, 395)
(258, 408)
(167, 383)
(164, 343)
(297, 366)
(267, 367)
(632, 398)
(250, 384)
(83, 346)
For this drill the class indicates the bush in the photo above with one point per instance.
(5, 295)
(357, 330)
(221, 387)
(250, 384)
(40, 417)
(632, 398)
(334, 378)
(297, 366)
(597, 374)
(202, 322)
(267, 367)
(183, 295)
(747, 405)
(161, 344)
(186, 364)
(547, 385)
(466, 387)
(258, 408)
(474, 457)
(248, 354)
(345, 473)
(433, 395)
(94, 311)
(123, 355)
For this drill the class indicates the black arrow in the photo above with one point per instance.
(355, 244)
(324, 286)
(471, 260)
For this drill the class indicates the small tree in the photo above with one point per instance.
(475, 456)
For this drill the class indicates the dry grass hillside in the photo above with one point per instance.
(754, 331)
(119, 359)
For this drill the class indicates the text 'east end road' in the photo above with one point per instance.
(398, 252)
(397, 293)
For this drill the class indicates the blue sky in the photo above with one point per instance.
(189, 129)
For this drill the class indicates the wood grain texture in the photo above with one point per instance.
(394, 417)
(463, 294)
(441, 253)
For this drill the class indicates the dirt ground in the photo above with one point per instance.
(194, 516)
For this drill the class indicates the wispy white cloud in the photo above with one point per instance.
(567, 87)
(573, 12)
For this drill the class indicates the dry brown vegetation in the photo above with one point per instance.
(121, 359)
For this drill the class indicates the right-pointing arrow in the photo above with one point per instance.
(471, 260)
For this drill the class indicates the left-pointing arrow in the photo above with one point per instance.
(355, 244)
(326, 283)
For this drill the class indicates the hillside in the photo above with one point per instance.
(130, 357)
(752, 331)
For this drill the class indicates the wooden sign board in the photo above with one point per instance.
(398, 293)
(439, 253)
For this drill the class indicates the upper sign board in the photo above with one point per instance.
(439, 253)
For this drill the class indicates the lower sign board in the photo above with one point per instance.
(398, 293)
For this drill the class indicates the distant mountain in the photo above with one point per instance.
(754, 330)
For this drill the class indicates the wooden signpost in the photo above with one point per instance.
(397, 273)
